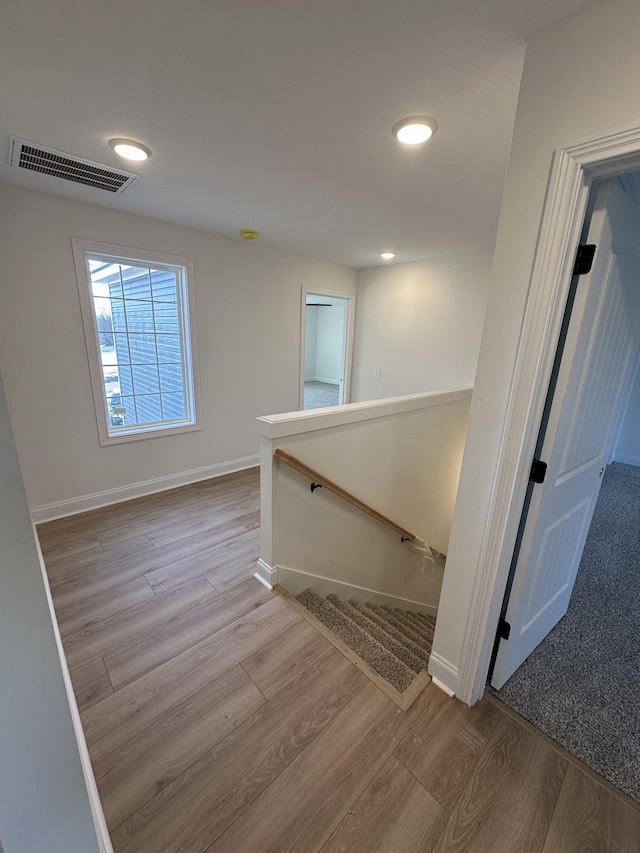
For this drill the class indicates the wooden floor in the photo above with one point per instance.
(219, 720)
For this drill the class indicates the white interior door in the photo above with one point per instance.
(593, 383)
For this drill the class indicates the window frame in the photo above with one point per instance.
(83, 251)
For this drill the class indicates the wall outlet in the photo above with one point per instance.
(377, 373)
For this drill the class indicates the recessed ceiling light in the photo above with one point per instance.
(388, 256)
(130, 149)
(414, 130)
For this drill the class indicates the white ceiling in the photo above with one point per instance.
(276, 115)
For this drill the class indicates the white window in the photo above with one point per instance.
(137, 309)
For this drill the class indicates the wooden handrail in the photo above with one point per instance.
(319, 480)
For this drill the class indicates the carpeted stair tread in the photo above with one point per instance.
(418, 645)
(395, 644)
(420, 617)
(420, 651)
(420, 620)
(424, 629)
(378, 633)
(422, 626)
(411, 632)
(370, 650)
(404, 619)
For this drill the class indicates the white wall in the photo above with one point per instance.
(248, 328)
(628, 445)
(43, 799)
(324, 339)
(330, 342)
(401, 456)
(580, 78)
(421, 324)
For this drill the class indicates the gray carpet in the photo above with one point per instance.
(319, 395)
(394, 644)
(581, 686)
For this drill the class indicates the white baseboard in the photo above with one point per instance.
(97, 813)
(265, 574)
(326, 381)
(627, 459)
(444, 674)
(294, 581)
(61, 509)
(442, 687)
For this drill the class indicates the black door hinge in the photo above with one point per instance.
(584, 259)
(538, 471)
(504, 629)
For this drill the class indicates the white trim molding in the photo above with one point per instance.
(85, 251)
(298, 423)
(444, 674)
(295, 580)
(627, 459)
(573, 170)
(97, 812)
(442, 687)
(267, 575)
(73, 506)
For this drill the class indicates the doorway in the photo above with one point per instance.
(570, 676)
(590, 386)
(572, 172)
(327, 321)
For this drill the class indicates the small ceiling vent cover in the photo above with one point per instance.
(48, 161)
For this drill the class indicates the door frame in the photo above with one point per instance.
(349, 328)
(572, 172)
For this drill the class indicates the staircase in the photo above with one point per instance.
(396, 644)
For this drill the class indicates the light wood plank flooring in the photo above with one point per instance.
(220, 721)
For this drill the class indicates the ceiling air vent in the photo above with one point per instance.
(48, 161)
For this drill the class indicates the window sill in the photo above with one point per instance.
(139, 435)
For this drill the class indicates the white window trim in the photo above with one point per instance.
(82, 248)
